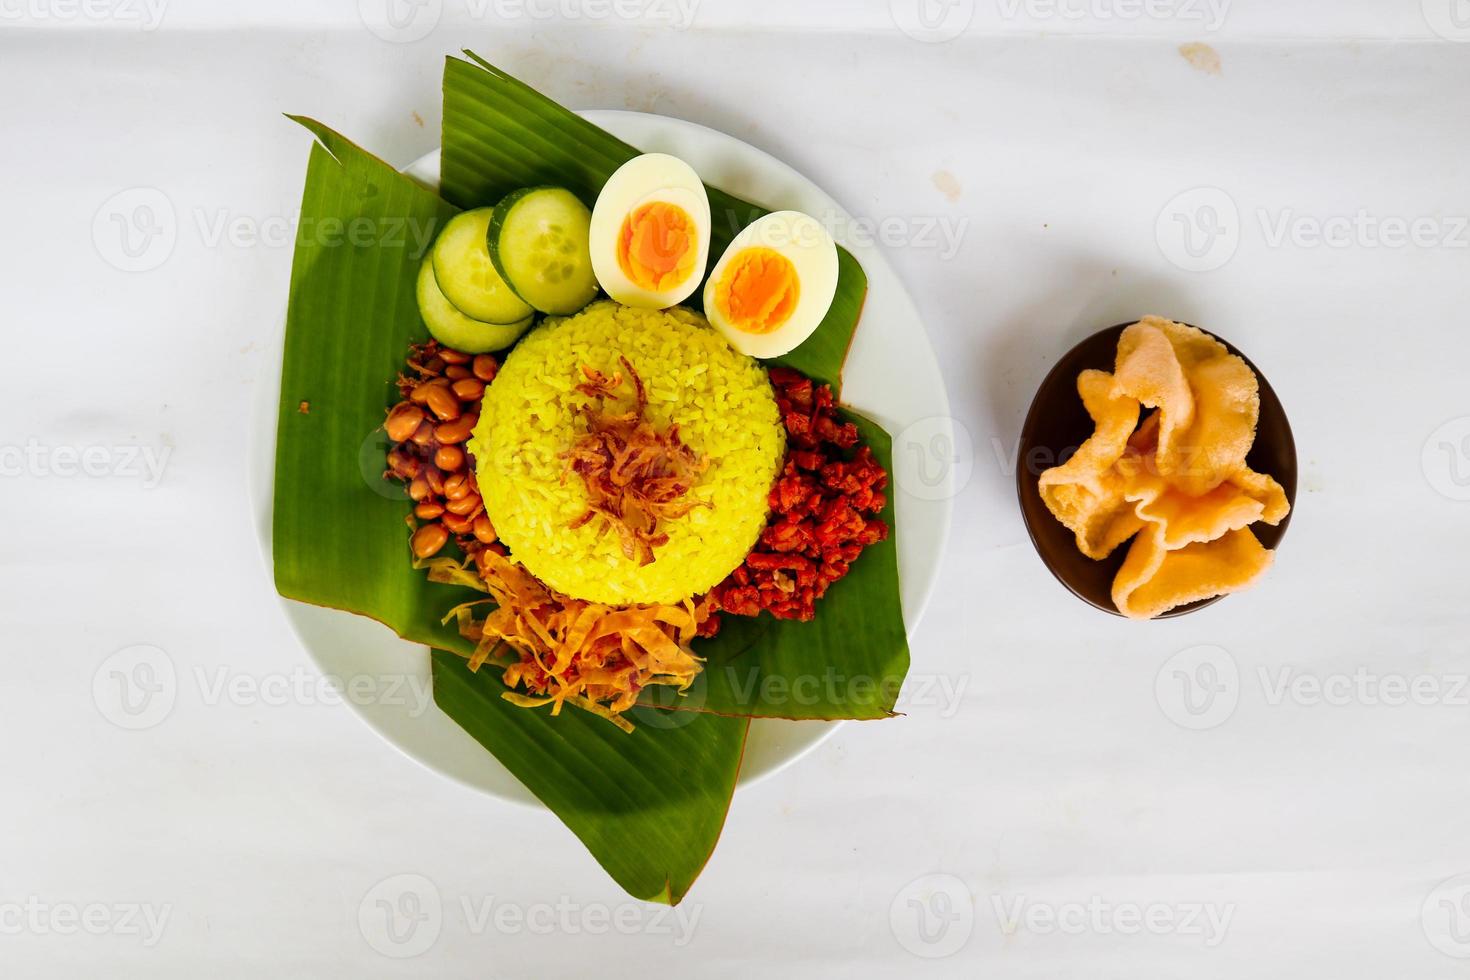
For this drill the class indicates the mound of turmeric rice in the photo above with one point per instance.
(538, 412)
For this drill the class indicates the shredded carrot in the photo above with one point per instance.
(636, 476)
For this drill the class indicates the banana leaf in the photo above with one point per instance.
(648, 805)
(500, 134)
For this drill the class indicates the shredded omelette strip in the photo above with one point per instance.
(569, 651)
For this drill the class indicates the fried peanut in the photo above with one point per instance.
(449, 458)
(441, 402)
(428, 539)
(484, 530)
(403, 421)
(468, 389)
(465, 505)
(450, 433)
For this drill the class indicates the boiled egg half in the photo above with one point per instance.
(773, 285)
(650, 229)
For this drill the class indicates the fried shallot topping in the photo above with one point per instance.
(636, 476)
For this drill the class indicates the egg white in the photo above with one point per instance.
(646, 179)
(809, 248)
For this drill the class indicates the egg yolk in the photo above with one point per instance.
(758, 291)
(657, 246)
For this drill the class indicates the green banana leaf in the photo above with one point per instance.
(500, 134)
(649, 805)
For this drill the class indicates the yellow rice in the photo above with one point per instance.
(725, 409)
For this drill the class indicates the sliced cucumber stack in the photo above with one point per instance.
(538, 241)
(465, 274)
(449, 325)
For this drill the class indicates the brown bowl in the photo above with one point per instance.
(1057, 424)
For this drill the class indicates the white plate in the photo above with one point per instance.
(891, 375)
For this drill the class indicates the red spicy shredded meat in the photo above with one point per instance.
(822, 509)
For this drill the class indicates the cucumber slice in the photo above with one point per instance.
(467, 277)
(539, 243)
(452, 328)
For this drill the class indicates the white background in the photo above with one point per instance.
(1068, 777)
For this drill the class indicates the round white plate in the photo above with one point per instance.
(891, 375)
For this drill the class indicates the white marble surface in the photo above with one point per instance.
(1287, 833)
